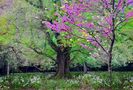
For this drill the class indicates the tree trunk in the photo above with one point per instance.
(109, 64)
(85, 67)
(67, 60)
(60, 65)
(8, 69)
(63, 61)
(110, 69)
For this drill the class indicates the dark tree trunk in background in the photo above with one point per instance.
(8, 68)
(3, 63)
(85, 67)
(63, 61)
(4, 69)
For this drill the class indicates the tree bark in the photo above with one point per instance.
(110, 68)
(60, 64)
(85, 67)
(8, 69)
(109, 63)
(63, 62)
(67, 60)
(112, 43)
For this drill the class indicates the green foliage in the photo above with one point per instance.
(123, 50)
(29, 35)
(90, 81)
(61, 84)
(7, 30)
(80, 56)
(19, 81)
(100, 80)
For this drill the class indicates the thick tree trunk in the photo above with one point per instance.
(63, 61)
(67, 60)
(60, 65)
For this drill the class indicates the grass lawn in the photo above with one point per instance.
(79, 81)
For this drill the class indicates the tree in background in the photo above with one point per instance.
(9, 57)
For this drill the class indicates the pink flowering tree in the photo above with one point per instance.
(61, 53)
(94, 22)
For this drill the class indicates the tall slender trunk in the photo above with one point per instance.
(110, 69)
(85, 67)
(8, 68)
(112, 43)
(109, 63)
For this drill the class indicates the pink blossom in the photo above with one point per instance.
(89, 25)
(79, 24)
(81, 0)
(86, 25)
(109, 20)
(93, 41)
(129, 15)
(66, 19)
(85, 46)
(48, 24)
(120, 4)
(75, 9)
(130, 2)
(106, 3)
(106, 32)
(58, 27)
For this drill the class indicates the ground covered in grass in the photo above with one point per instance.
(78, 81)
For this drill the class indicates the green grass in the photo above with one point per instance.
(79, 81)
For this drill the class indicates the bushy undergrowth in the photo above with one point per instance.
(18, 81)
(120, 80)
(90, 81)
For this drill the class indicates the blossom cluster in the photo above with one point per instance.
(74, 16)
